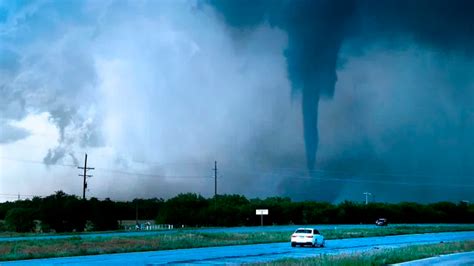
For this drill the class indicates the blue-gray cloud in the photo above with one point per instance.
(9, 133)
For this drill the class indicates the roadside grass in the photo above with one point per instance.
(77, 245)
(16, 234)
(392, 230)
(403, 227)
(380, 256)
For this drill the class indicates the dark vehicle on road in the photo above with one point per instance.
(381, 222)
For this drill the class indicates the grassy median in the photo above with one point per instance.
(379, 257)
(76, 245)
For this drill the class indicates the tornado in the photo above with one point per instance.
(316, 30)
(309, 108)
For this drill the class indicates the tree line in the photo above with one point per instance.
(61, 212)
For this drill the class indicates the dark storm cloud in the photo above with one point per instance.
(54, 155)
(316, 30)
(445, 25)
(62, 117)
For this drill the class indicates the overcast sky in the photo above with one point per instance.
(319, 100)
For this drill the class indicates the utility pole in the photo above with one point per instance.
(367, 194)
(136, 212)
(215, 178)
(85, 176)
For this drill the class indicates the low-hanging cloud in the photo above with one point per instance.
(409, 115)
(154, 83)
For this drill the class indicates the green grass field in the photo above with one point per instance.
(379, 257)
(76, 245)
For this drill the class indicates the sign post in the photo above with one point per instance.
(261, 212)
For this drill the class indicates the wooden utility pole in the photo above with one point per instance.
(136, 212)
(215, 178)
(85, 176)
(367, 194)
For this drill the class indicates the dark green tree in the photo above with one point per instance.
(20, 219)
(103, 214)
(185, 209)
(63, 213)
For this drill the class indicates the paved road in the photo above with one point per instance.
(244, 229)
(250, 253)
(458, 259)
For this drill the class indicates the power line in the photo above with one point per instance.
(19, 196)
(335, 172)
(169, 163)
(252, 170)
(133, 161)
(335, 179)
(37, 162)
(150, 175)
(385, 182)
(104, 169)
(22, 195)
(326, 177)
(305, 171)
(26, 196)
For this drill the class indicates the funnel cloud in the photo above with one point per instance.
(317, 29)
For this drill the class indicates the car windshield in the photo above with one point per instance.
(303, 231)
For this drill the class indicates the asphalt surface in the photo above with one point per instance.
(250, 253)
(244, 229)
(458, 259)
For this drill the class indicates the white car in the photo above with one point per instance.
(307, 236)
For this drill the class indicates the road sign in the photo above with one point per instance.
(261, 212)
